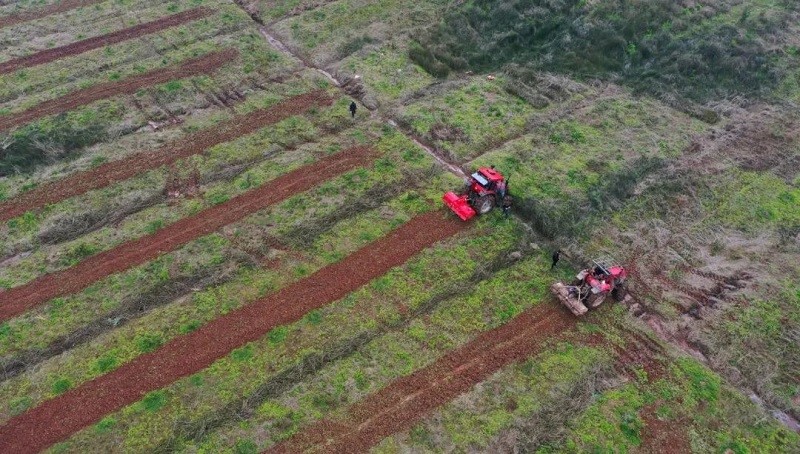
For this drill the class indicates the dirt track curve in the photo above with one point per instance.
(195, 143)
(59, 7)
(406, 400)
(136, 252)
(58, 418)
(79, 47)
(201, 65)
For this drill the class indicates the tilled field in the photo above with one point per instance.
(19, 299)
(55, 8)
(201, 65)
(77, 48)
(405, 401)
(169, 153)
(190, 353)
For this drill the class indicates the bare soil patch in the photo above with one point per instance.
(193, 144)
(663, 437)
(201, 65)
(125, 256)
(79, 47)
(56, 419)
(405, 401)
(55, 8)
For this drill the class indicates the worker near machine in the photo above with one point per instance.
(506, 205)
(556, 257)
(353, 108)
(502, 189)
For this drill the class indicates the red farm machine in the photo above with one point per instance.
(485, 189)
(591, 286)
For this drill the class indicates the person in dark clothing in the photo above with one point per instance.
(353, 108)
(556, 256)
(506, 205)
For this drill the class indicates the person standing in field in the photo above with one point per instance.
(353, 108)
(506, 204)
(556, 256)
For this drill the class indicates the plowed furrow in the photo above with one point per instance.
(205, 64)
(106, 174)
(58, 418)
(56, 8)
(79, 47)
(405, 401)
(127, 255)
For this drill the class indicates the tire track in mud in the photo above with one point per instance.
(57, 418)
(111, 172)
(79, 47)
(201, 65)
(56, 8)
(136, 252)
(408, 399)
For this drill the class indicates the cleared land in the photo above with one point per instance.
(398, 406)
(77, 48)
(19, 299)
(111, 172)
(190, 353)
(201, 65)
(58, 7)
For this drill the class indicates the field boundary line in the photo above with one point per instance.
(125, 256)
(56, 419)
(201, 65)
(194, 143)
(79, 47)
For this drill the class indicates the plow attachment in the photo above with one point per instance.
(459, 205)
(568, 295)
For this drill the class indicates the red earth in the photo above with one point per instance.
(58, 7)
(79, 47)
(405, 401)
(111, 172)
(58, 418)
(136, 252)
(201, 65)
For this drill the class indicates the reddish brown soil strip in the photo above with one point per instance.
(127, 255)
(79, 47)
(57, 419)
(56, 8)
(663, 437)
(123, 169)
(201, 65)
(406, 400)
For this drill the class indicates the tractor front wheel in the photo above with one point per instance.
(484, 204)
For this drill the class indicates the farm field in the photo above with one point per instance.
(203, 251)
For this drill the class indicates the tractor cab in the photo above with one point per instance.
(485, 180)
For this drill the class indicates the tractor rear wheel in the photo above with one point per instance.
(484, 204)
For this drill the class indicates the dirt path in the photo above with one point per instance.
(405, 401)
(79, 47)
(57, 419)
(201, 65)
(56, 8)
(123, 169)
(127, 255)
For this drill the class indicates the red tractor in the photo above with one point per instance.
(591, 287)
(485, 189)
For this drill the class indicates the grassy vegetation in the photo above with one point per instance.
(704, 50)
